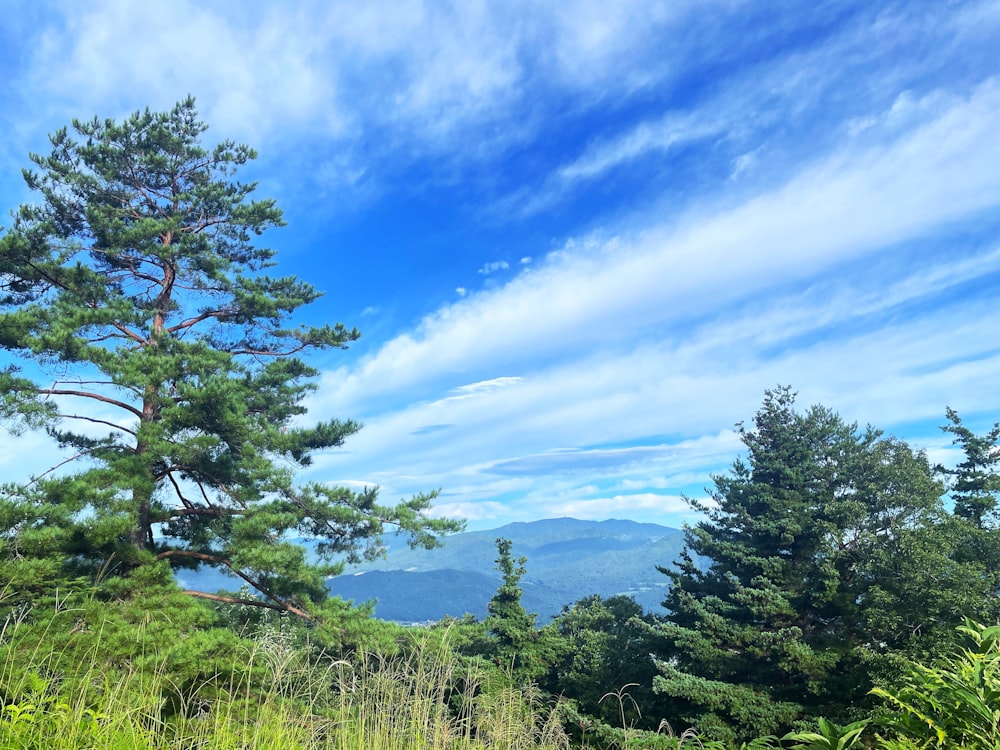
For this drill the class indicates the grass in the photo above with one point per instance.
(274, 695)
(94, 675)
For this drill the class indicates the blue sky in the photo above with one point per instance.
(581, 238)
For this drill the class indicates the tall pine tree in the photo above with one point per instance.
(976, 482)
(765, 611)
(159, 353)
(516, 644)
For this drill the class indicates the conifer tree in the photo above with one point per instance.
(150, 342)
(976, 481)
(765, 615)
(517, 644)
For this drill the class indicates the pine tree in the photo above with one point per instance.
(764, 614)
(158, 351)
(517, 644)
(976, 481)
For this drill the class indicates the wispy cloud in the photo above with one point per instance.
(623, 506)
(855, 203)
(638, 142)
(431, 428)
(823, 282)
(485, 386)
(839, 87)
(270, 71)
(472, 511)
(573, 460)
(493, 267)
(684, 213)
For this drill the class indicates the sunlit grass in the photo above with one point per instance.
(277, 697)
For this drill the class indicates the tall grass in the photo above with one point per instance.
(274, 695)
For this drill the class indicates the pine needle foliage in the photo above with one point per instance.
(154, 348)
(768, 616)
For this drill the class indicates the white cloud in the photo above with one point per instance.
(804, 91)
(851, 205)
(617, 461)
(493, 267)
(745, 162)
(622, 506)
(251, 70)
(34, 454)
(896, 370)
(674, 323)
(471, 511)
(263, 70)
(374, 87)
(26, 455)
(645, 137)
(485, 386)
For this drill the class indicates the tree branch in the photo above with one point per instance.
(78, 381)
(95, 396)
(81, 454)
(188, 505)
(281, 603)
(251, 602)
(202, 224)
(196, 555)
(194, 510)
(98, 421)
(217, 314)
(270, 352)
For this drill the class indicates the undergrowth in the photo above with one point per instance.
(274, 694)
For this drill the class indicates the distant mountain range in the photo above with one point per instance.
(567, 560)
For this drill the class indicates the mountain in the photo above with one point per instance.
(567, 559)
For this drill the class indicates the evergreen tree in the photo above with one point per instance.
(516, 643)
(607, 644)
(765, 613)
(160, 353)
(976, 481)
(926, 579)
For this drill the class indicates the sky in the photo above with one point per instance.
(580, 238)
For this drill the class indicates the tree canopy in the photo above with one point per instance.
(516, 643)
(975, 481)
(151, 343)
(770, 615)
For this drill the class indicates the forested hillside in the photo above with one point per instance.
(567, 559)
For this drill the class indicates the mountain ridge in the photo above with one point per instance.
(567, 559)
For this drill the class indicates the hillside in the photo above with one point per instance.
(567, 559)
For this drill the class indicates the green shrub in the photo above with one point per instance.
(954, 703)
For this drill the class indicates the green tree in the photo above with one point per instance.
(606, 645)
(516, 643)
(164, 358)
(766, 612)
(925, 579)
(976, 482)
